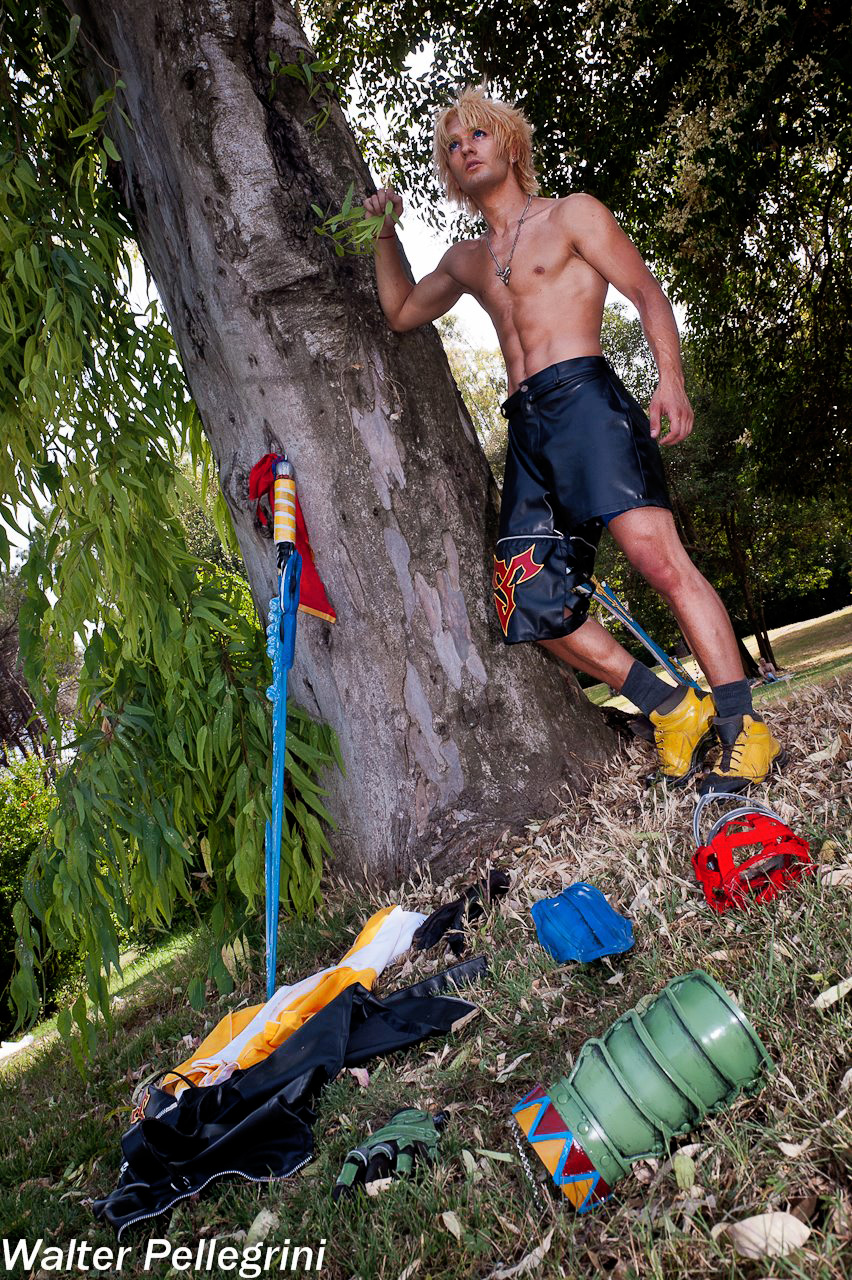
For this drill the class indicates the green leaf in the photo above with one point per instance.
(89, 127)
(79, 1010)
(196, 994)
(151, 847)
(684, 1171)
(200, 611)
(242, 777)
(173, 839)
(176, 747)
(63, 1023)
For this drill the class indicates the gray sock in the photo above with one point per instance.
(733, 699)
(647, 692)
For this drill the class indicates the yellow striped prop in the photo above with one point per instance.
(246, 1036)
(284, 527)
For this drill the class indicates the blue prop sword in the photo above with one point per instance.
(281, 646)
(605, 595)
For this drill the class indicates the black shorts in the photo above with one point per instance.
(580, 450)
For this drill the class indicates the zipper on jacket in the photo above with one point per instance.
(196, 1191)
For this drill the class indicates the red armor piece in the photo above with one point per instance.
(749, 856)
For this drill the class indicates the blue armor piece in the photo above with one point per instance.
(579, 924)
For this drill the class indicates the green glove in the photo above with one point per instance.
(408, 1134)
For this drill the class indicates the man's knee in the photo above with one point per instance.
(667, 574)
(651, 542)
(663, 576)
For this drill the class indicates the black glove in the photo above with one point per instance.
(451, 918)
(392, 1150)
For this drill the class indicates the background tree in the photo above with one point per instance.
(21, 729)
(480, 375)
(27, 803)
(774, 558)
(718, 133)
(200, 511)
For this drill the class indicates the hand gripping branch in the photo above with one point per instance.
(280, 645)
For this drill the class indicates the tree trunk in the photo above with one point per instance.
(446, 734)
(20, 727)
(742, 569)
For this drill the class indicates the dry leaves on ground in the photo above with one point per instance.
(527, 1264)
(451, 1222)
(377, 1186)
(265, 1222)
(767, 1235)
(829, 997)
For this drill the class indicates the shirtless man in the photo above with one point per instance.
(582, 454)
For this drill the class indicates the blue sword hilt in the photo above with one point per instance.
(288, 602)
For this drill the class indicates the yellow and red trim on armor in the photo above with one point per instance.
(559, 1151)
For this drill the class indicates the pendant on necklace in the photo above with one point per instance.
(505, 271)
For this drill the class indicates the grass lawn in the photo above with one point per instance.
(475, 1215)
(136, 969)
(807, 652)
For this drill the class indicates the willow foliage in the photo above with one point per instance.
(167, 793)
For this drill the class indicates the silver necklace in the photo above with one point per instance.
(505, 271)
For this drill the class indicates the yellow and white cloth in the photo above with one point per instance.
(249, 1035)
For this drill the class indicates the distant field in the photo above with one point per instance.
(809, 652)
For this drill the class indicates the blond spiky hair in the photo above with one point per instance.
(510, 128)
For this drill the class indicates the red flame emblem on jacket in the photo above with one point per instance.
(508, 576)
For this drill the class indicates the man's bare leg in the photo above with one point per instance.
(593, 650)
(649, 539)
(682, 720)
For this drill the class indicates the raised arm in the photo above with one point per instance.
(598, 238)
(406, 305)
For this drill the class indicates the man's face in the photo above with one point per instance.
(473, 157)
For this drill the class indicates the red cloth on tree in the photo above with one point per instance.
(312, 596)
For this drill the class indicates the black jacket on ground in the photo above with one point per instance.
(257, 1124)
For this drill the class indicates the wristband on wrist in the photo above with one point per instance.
(392, 236)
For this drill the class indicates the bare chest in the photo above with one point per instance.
(503, 278)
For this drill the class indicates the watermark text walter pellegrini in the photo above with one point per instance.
(158, 1255)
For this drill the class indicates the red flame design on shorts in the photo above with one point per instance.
(508, 576)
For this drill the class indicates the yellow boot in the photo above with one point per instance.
(681, 734)
(749, 754)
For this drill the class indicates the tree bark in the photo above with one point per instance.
(20, 726)
(447, 736)
(742, 568)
